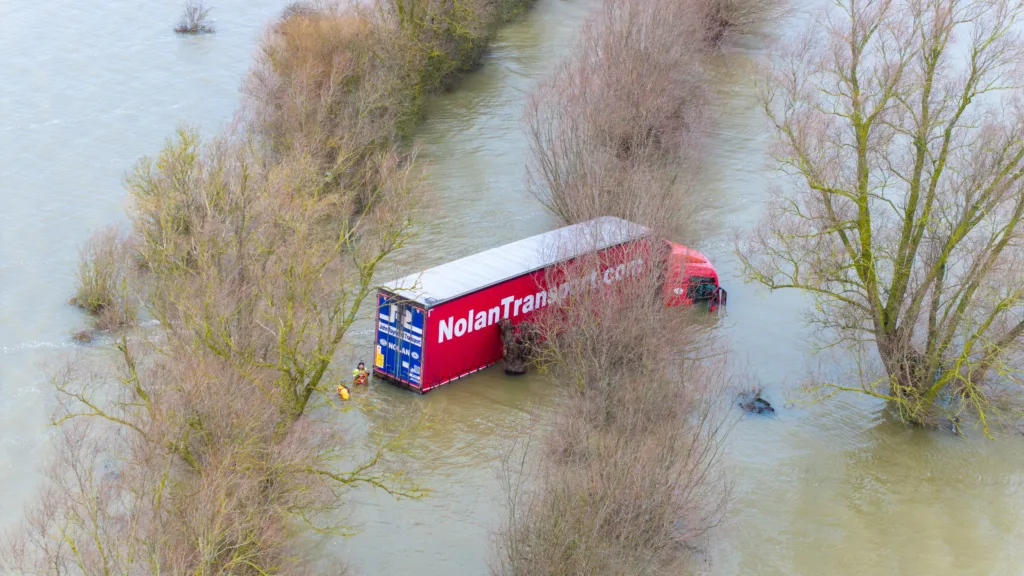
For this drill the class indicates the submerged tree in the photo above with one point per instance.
(901, 127)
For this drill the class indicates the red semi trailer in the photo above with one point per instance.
(442, 324)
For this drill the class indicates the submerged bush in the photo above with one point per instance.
(629, 472)
(254, 281)
(194, 19)
(616, 126)
(102, 280)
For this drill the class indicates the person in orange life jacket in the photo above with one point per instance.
(360, 375)
(342, 391)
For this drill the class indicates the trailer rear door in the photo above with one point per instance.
(399, 339)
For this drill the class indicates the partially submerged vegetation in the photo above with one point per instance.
(102, 280)
(618, 129)
(721, 19)
(195, 19)
(213, 443)
(629, 473)
(336, 84)
(218, 431)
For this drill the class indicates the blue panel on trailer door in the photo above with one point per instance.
(387, 341)
(410, 355)
(399, 339)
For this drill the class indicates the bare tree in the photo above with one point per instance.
(899, 124)
(184, 466)
(620, 126)
(257, 261)
(722, 18)
(337, 82)
(615, 126)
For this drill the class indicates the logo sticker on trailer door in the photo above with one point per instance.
(399, 339)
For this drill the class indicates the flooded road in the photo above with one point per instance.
(819, 489)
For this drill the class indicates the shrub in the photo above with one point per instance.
(102, 280)
(194, 19)
(724, 17)
(213, 426)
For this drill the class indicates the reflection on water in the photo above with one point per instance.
(820, 489)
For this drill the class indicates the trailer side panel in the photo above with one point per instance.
(464, 332)
(462, 335)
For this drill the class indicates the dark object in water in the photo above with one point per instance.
(757, 406)
(518, 343)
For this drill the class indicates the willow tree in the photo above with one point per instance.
(900, 128)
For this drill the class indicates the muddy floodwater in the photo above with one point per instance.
(834, 488)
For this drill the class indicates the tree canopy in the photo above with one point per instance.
(900, 127)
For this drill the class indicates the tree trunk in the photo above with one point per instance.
(910, 375)
(518, 345)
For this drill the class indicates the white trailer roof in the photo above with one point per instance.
(466, 275)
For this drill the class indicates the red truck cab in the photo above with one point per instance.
(690, 278)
